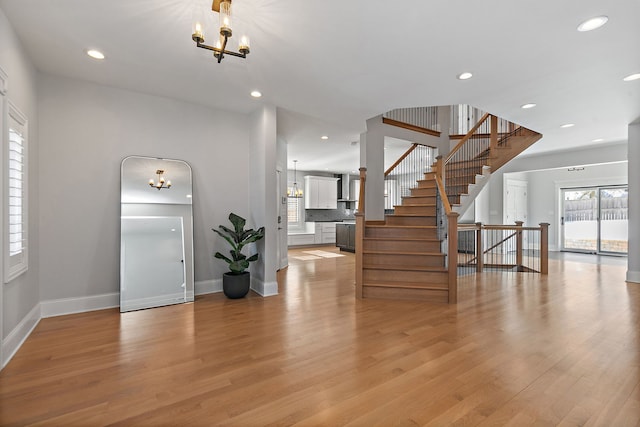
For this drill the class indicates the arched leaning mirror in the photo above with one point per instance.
(156, 233)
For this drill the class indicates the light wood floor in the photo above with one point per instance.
(519, 349)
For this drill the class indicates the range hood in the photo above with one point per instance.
(344, 184)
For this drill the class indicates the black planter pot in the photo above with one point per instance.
(236, 285)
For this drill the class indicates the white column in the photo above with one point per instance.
(633, 157)
(373, 149)
(262, 196)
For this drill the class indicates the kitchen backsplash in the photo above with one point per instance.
(328, 215)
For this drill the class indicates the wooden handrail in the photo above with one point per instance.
(409, 126)
(466, 137)
(397, 162)
(439, 170)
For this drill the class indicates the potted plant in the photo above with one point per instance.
(236, 282)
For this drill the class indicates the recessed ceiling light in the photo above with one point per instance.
(632, 77)
(95, 54)
(173, 229)
(324, 137)
(567, 125)
(465, 76)
(188, 196)
(598, 140)
(527, 106)
(256, 93)
(593, 23)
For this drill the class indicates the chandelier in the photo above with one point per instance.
(161, 182)
(223, 7)
(294, 192)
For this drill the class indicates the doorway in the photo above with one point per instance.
(595, 220)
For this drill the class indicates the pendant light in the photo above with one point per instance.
(294, 192)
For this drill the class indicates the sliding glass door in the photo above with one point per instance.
(594, 220)
(614, 222)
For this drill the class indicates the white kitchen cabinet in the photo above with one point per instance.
(320, 192)
(325, 233)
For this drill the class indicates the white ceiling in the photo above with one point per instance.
(331, 65)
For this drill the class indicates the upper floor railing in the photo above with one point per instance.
(419, 117)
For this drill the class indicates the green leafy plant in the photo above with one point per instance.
(238, 238)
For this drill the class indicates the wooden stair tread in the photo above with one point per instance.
(433, 269)
(410, 215)
(404, 239)
(420, 205)
(402, 253)
(407, 285)
(402, 226)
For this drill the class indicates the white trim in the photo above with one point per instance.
(60, 307)
(20, 333)
(4, 79)
(208, 286)
(21, 266)
(152, 302)
(3, 108)
(633, 276)
(265, 289)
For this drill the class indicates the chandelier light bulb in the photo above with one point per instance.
(244, 45)
(225, 18)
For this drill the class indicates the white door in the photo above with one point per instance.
(516, 202)
(281, 214)
(516, 209)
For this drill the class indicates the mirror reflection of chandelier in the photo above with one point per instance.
(161, 182)
(294, 192)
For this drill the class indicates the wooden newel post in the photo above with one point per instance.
(361, 194)
(519, 245)
(438, 166)
(452, 255)
(479, 248)
(360, 219)
(544, 248)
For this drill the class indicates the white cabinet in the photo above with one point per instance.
(325, 232)
(320, 192)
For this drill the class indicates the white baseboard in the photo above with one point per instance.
(208, 286)
(265, 289)
(633, 276)
(14, 340)
(59, 307)
(150, 302)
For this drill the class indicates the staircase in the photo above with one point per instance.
(402, 257)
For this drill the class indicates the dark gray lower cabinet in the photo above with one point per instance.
(346, 237)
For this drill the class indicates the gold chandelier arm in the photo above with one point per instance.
(218, 50)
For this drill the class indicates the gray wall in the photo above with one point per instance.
(542, 171)
(87, 130)
(20, 296)
(614, 152)
(543, 195)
